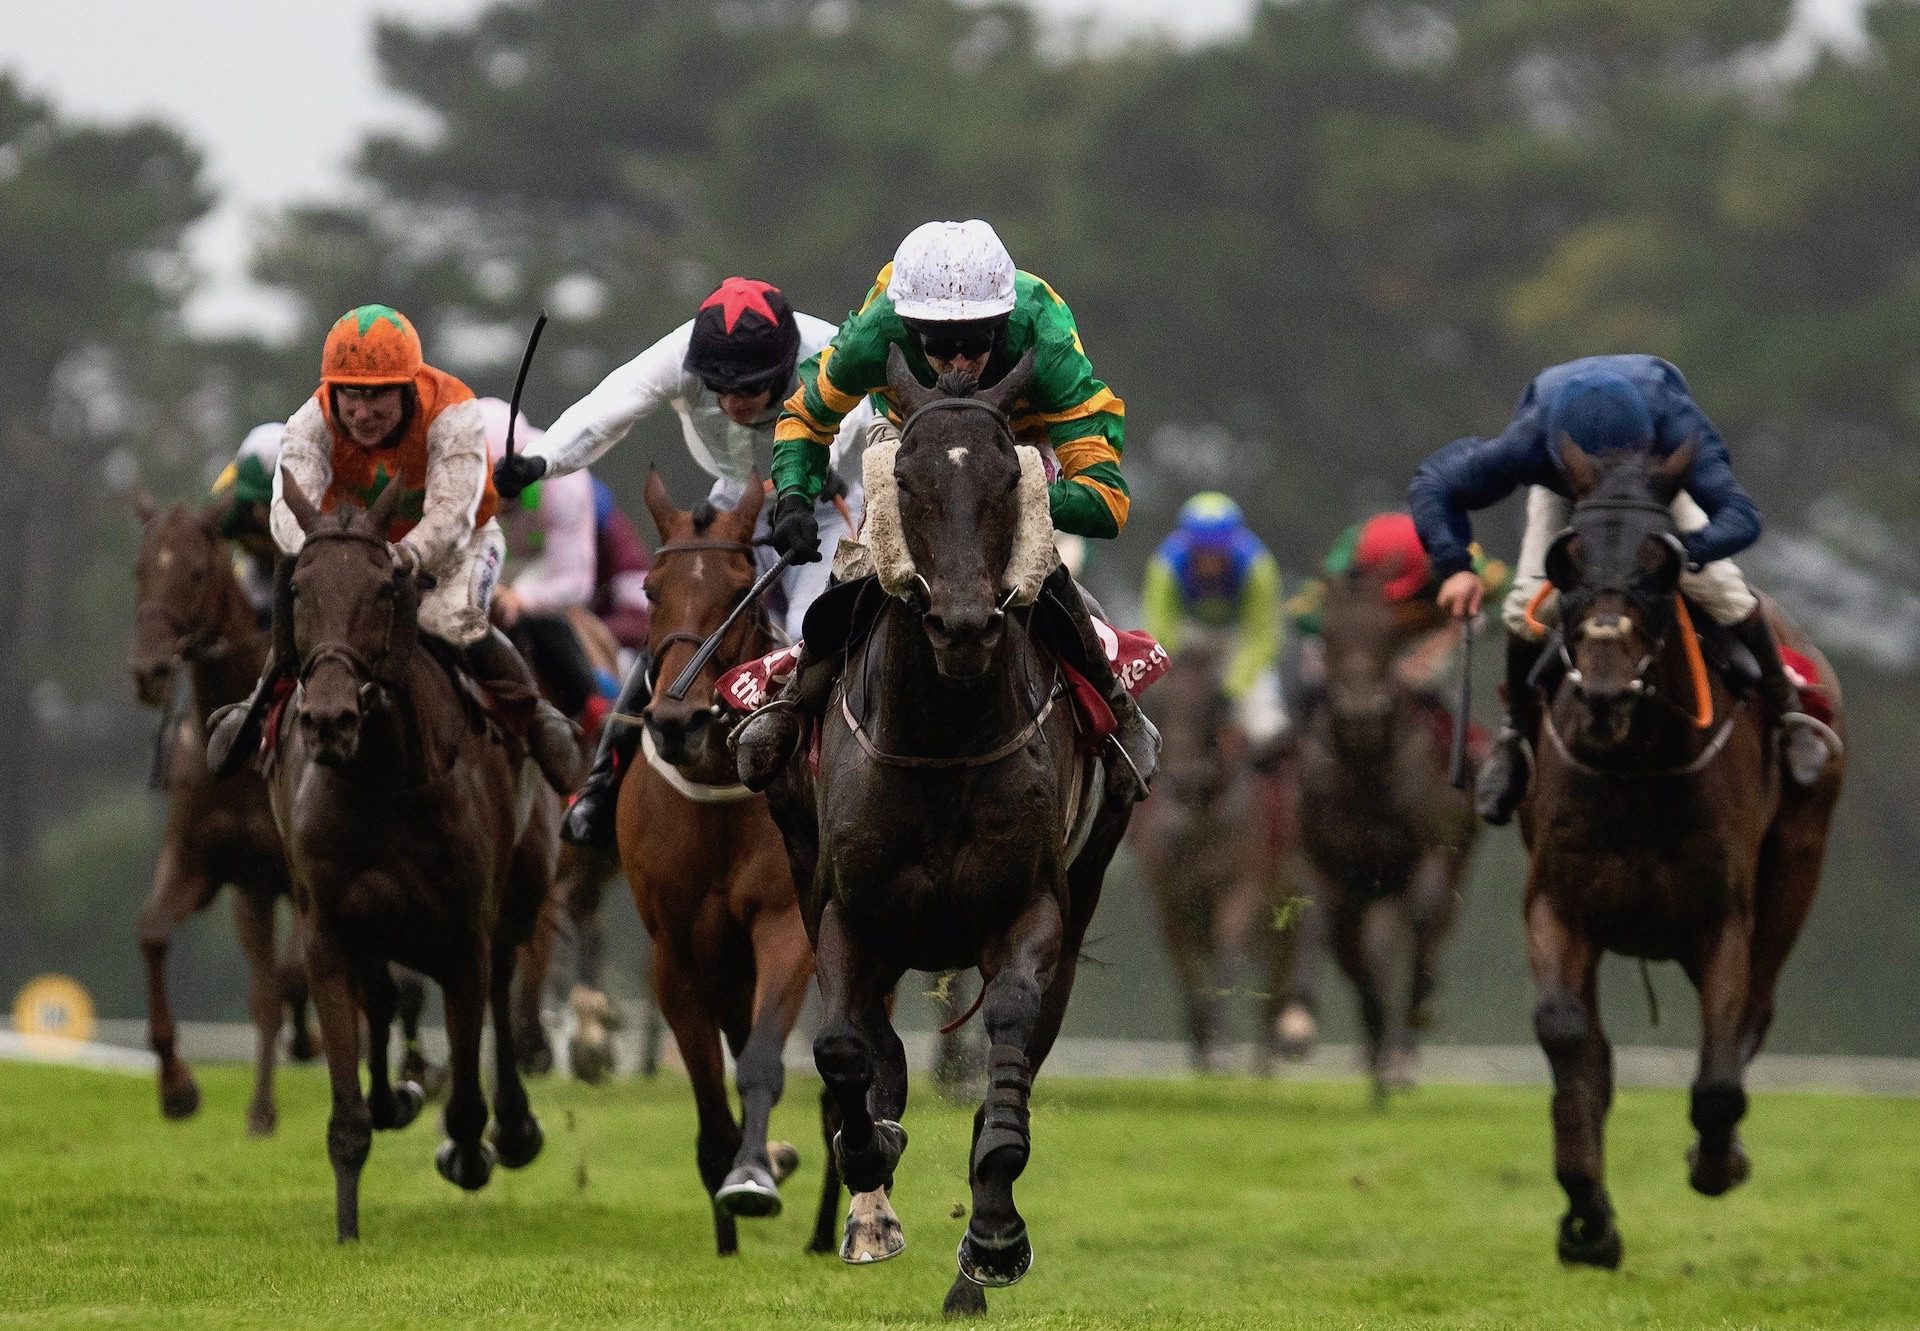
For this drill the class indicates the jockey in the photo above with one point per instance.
(550, 537)
(951, 300)
(1601, 403)
(382, 416)
(1214, 575)
(246, 488)
(723, 373)
(620, 568)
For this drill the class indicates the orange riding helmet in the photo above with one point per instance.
(372, 346)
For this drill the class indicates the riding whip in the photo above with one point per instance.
(1463, 713)
(520, 379)
(684, 680)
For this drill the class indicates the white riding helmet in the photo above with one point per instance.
(951, 272)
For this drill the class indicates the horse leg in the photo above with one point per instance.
(464, 1158)
(826, 1220)
(867, 1150)
(179, 889)
(253, 922)
(293, 991)
(782, 966)
(1019, 969)
(1183, 912)
(517, 1137)
(350, 1126)
(411, 990)
(1432, 902)
(697, 1035)
(590, 1050)
(532, 963)
(1789, 875)
(391, 1107)
(1566, 1020)
(1355, 935)
(1717, 1162)
(1317, 902)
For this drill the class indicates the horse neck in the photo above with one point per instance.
(239, 650)
(915, 709)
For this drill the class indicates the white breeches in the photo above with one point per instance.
(1720, 588)
(800, 586)
(1262, 709)
(456, 609)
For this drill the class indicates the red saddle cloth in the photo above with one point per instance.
(1814, 700)
(1137, 661)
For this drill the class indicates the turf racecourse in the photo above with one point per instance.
(1188, 1204)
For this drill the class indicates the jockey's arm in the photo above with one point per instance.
(456, 483)
(562, 574)
(1161, 607)
(306, 456)
(1260, 633)
(833, 382)
(1471, 474)
(1733, 519)
(1086, 423)
(601, 419)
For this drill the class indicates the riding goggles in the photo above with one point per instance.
(945, 341)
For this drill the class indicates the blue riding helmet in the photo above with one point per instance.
(1600, 411)
(1211, 521)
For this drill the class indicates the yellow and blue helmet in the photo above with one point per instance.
(1211, 519)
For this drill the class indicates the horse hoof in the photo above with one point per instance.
(591, 1063)
(749, 1193)
(431, 1077)
(181, 1101)
(519, 1147)
(467, 1169)
(785, 1158)
(873, 1231)
(1396, 1069)
(1586, 1244)
(1295, 1032)
(1719, 1174)
(535, 1056)
(301, 1048)
(965, 1299)
(406, 1101)
(995, 1263)
(262, 1119)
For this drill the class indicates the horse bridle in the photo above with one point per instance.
(756, 623)
(1005, 426)
(373, 671)
(203, 643)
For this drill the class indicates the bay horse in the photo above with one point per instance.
(1384, 839)
(731, 960)
(191, 613)
(415, 834)
(1204, 849)
(1660, 826)
(937, 835)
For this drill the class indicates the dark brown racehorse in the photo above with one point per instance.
(1384, 838)
(1660, 826)
(730, 955)
(1202, 839)
(191, 614)
(415, 835)
(949, 776)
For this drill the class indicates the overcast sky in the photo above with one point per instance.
(278, 92)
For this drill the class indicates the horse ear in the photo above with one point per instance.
(748, 509)
(1670, 473)
(144, 506)
(1004, 394)
(1583, 475)
(304, 513)
(1566, 560)
(380, 516)
(908, 391)
(659, 503)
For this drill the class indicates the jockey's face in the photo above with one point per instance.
(964, 346)
(746, 408)
(974, 366)
(369, 414)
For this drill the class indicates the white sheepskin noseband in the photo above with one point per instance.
(1033, 556)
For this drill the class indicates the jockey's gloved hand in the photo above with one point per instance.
(795, 532)
(513, 474)
(836, 487)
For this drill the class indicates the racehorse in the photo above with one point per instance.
(709, 874)
(1203, 847)
(948, 783)
(1659, 826)
(190, 612)
(415, 834)
(1384, 838)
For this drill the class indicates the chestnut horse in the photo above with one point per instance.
(710, 876)
(191, 613)
(415, 833)
(1660, 826)
(943, 832)
(1384, 837)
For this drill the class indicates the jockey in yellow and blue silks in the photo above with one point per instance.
(1212, 575)
(1602, 404)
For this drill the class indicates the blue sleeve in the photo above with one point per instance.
(1733, 519)
(1471, 474)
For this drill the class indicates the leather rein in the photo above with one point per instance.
(657, 651)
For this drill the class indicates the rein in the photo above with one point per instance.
(1019, 741)
(658, 651)
(959, 404)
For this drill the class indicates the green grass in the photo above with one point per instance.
(1197, 1204)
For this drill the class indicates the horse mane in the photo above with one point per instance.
(703, 516)
(956, 383)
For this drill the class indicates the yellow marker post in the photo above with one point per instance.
(54, 1007)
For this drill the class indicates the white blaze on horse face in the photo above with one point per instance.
(956, 456)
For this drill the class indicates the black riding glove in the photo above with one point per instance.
(514, 474)
(795, 532)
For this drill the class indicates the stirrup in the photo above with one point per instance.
(1808, 724)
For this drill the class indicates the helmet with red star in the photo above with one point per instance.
(744, 339)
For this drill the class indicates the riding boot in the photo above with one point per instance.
(1807, 744)
(590, 817)
(766, 742)
(1502, 782)
(553, 740)
(1136, 738)
(233, 731)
